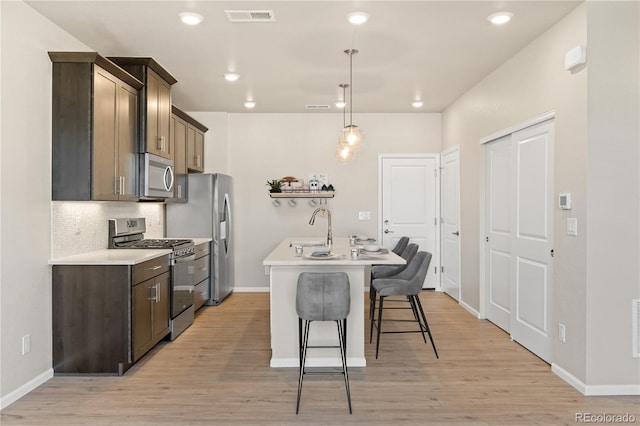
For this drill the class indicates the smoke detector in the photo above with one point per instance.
(250, 15)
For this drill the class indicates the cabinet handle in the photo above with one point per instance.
(122, 186)
(117, 185)
(198, 161)
(157, 286)
(155, 268)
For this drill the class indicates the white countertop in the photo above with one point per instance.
(117, 257)
(284, 255)
(111, 257)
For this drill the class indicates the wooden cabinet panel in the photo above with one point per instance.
(155, 103)
(128, 141)
(195, 149)
(104, 320)
(178, 132)
(94, 129)
(90, 319)
(150, 313)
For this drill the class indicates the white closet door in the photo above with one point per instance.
(499, 189)
(532, 240)
(519, 236)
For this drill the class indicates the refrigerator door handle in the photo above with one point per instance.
(227, 222)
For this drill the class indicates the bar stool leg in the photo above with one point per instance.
(342, 327)
(415, 315)
(424, 318)
(379, 325)
(303, 352)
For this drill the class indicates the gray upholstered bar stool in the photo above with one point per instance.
(388, 271)
(408, 283)
(323, 296)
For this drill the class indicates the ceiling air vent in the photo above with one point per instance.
(316, 106)
(250, 15)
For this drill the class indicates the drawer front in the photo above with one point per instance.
(202, 267)
(202, 250)
(201, 295)
(149, 269)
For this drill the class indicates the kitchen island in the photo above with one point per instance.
(285, 267)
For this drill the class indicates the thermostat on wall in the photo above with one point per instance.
(564, 201)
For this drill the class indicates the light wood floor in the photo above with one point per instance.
(217, 373)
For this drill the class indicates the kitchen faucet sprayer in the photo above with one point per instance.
(313, 219)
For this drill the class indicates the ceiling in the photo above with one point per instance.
(429, 50)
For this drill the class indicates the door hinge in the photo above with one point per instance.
(442, 269)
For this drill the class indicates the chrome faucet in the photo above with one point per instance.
(313, 219)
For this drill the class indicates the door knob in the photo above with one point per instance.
(386, 231)
(456, 233)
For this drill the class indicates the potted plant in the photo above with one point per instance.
(275, 185)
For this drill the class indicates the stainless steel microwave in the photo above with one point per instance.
(156, 177)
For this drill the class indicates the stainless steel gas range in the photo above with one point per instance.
(128, 233)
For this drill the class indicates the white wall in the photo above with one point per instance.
(271, 146)
(532, 82)
(25, 179)
(613, 239)
(596, 159)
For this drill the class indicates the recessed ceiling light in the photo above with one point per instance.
(190, 18)
(249, 104)
(500, 18)
(417, 104)
(358, 18)
(231, 76)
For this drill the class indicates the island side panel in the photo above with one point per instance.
(284, 319)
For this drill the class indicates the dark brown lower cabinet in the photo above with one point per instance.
(105, 317)
(150, 314)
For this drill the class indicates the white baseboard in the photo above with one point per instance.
(594, 390)
(251, 289)
(12, 397)
(470, 309)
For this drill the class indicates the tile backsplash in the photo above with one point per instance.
(78, 227)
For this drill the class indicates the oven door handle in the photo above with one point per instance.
(184, 259)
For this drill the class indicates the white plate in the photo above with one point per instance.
(330, 256)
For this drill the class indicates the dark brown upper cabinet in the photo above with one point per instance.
(155, 103)
(94, 129)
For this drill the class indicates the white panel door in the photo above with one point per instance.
(499, 187)
(532, 240)
(450, 196)
(409, 205)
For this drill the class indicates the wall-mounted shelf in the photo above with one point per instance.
(303, 194)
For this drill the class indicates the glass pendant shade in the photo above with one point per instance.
(352, 136)
(344, 153)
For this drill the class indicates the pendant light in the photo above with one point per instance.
(344, 153)
(351, 134)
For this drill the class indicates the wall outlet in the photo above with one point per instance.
(561, 332)
(364, 215)
(26, 344)
(267, 270)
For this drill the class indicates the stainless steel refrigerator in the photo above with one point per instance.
(207, 214)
